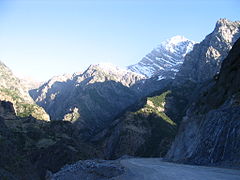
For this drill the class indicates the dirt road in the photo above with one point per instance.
(155, 169)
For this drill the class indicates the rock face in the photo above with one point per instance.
(95, 96)
(209, 132)
(165, 60)
(204, 61)
(11, 89)
(7, 110)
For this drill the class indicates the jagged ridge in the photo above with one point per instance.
(205, 60)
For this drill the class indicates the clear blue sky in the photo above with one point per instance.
(43, 38)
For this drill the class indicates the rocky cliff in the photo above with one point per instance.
(11, 89)
(205, 60)
(209, 133)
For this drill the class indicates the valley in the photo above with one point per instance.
(179, 104)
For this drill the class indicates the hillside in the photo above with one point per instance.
(11, 89)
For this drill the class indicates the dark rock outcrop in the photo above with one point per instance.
(30, 147)
(209, 133)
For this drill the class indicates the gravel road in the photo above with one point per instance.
(155, 169)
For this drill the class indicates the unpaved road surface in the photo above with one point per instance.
(155, 169)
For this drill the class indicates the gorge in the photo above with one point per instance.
(180, 103)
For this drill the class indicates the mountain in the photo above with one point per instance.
(175, 106)
(143, 130)
(92, 98)
(12, 89)
(209, 133)
(164, 60)
(204, 61)
(201, 65)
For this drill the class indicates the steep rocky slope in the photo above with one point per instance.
(209, 132)
(204, 61)
(11, 89)
(90, 99)
(165, 60)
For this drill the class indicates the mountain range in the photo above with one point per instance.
(181, 102)
(107, 89)
(90, 99)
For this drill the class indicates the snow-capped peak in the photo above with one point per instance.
(174, 40)
(166, 59)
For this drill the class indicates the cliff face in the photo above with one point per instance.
(205, 60)
(209, 133)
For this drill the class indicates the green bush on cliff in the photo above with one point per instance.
(157, 106)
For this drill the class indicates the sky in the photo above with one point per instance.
(44, 38)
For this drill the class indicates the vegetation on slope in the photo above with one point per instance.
(146, 131)
(21, 106)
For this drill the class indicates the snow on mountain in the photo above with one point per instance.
(166, 59)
